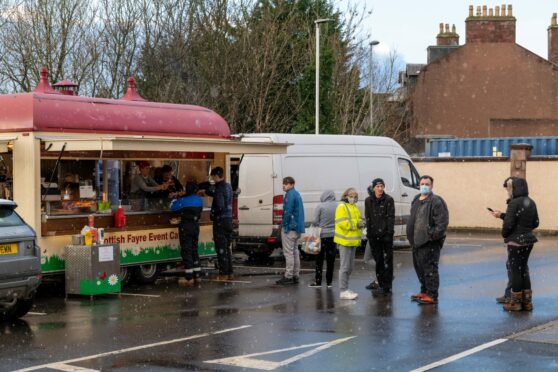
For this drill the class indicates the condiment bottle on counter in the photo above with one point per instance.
(119, 217)
(88, 238)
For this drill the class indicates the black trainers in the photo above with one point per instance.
(295, 279)
(286, 281)
(373, 285)
(315, 285)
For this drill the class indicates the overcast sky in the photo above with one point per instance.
(411, 26)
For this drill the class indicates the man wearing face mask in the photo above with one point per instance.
(426, 231)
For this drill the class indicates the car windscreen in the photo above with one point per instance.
(8, 217)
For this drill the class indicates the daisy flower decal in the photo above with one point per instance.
(113, 279)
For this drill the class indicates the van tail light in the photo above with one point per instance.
(277, 209)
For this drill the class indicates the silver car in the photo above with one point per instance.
(20, 263)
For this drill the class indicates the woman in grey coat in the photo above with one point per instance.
(324, 217)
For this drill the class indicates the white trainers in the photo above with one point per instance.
(348, 295)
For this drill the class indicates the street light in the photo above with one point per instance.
(317, 23)
(371, 80)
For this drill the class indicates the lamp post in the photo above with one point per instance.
(371, 80)
(317, 23)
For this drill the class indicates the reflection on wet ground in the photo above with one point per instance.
(390, 332)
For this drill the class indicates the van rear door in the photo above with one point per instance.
(255, 201)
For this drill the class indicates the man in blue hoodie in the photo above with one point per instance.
(292, 227)
(190, 207)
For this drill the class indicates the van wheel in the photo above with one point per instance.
(21, 308)
(147, 274)
(126, 275)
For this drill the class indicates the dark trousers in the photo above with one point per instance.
(518, 258)
(222, 236)
(382, 252)
(425, 260)
(329, 251)
(507, 292)
(188, 234)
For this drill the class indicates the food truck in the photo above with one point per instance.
(67, 159)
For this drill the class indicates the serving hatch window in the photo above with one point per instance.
(99, 186)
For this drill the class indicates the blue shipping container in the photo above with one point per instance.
(492, 147)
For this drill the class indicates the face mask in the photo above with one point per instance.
(424, 189)
(351, 200)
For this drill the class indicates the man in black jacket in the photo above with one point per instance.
(379, 210)
(426, 231)
(221, 215)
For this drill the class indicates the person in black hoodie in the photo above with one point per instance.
(379, 210)
(520, 219)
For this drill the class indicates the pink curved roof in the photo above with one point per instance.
(39, 111)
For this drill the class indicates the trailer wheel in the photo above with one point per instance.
(147, 274)
(126, 275)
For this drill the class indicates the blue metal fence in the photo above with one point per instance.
(492, 147)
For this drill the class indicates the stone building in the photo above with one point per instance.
(488, 87)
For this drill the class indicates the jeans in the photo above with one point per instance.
(222, 236)
(328, 251)
(425, 260)
(289, 242)
(518, 258)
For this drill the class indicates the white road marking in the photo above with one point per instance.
(136, 295)
(226, 281)
(460, 355)
(246, 361)
(34, 313)
(69, 368)
(135, 348)
(271, 268)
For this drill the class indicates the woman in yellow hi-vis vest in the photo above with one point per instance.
(347, 238)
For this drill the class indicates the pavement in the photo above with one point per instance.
(252, 324)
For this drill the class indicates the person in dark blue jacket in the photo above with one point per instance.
(221, 215)
(292, 228)
(190, 207)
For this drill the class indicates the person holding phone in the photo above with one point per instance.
(519, 221)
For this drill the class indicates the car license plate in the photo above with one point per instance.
(8, 248)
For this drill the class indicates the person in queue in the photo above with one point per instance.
(190, 208)
(221, 215)
(347, 237)
(379, 211)
(324, 218)
(519, 221)
(292, 226)
(143, 185)
(426, 231)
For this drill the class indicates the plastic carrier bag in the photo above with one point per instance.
(311, 242)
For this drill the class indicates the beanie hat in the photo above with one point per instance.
(377, 181)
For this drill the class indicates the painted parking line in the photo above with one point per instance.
(267, 268)
(460, 355)
(247, 361)
(135, 348)
(69, 368)
(135, 295)
(226, 281)
(36, 313)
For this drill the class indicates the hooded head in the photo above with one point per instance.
(191, 188)
(327, 196)
(516, 187)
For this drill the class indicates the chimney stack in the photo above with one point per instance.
(491, 25)
(553, 40)
(447, 37)
(447, 40)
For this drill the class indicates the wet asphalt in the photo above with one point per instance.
(214, 325)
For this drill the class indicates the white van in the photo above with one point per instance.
(317, 163)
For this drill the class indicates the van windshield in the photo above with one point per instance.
(8, 217)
